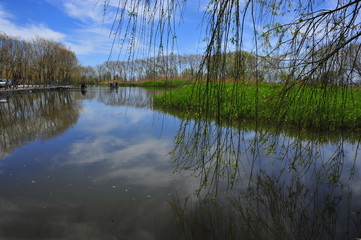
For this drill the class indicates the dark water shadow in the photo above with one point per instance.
(36, 116)
(258, 183)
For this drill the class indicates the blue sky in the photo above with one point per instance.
(81, 26)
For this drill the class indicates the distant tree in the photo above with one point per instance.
(100, 70)
(295, 30)
(68, 64)
(37, 61)
(87, 74)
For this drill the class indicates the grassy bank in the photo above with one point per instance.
(314, 107)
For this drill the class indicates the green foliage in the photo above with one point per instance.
(313, 107)
(163, 83)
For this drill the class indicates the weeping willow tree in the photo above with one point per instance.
(316, 43)
(311, 49)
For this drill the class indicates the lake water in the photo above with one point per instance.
(105, 164)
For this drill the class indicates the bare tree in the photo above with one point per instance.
(38, 61)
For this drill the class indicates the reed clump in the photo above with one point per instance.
(315, 107)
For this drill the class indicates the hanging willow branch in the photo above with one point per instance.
(296, 43)
(315, 36)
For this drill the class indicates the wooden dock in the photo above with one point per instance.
(34, 88)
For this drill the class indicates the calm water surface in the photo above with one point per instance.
(105, 165)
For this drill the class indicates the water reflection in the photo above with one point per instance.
(107, 177)
(110, 167)
(123, 96)
(260, 185)
(41, 116)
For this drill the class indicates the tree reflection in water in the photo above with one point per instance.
(257, 184)
(127, 96)
(44, 115)
(28, 117)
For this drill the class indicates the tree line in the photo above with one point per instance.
(316, 41)
(39, 61)
(159, 67)
(187, 66)
(43, 61)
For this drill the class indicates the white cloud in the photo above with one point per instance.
(87, 43)
(78, 10)
(4, 14)
(143, 158)
(88, 11)
(89, 32)
(92, 32)
(91, 12)
(28, 31)
(87, 38)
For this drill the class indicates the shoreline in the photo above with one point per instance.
(34, 88)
